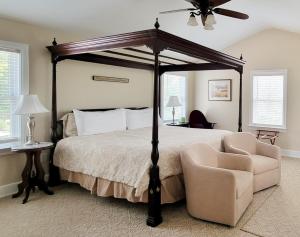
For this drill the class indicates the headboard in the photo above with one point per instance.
(59, 124)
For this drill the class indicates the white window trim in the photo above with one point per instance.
(185, 74)
(24, 86)
(283, 72)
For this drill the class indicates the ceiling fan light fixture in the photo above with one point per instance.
(192, 20)
(208, 27)
(206, 9)
(210, 19)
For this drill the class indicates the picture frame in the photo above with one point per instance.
(220, 90)
(110, 79)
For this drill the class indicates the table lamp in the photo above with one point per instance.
(173, 102)
(29, 105)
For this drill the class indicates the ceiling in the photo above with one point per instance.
(100, 17)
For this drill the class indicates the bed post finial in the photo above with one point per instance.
(54, 43)
(156, 25)
(241, 58)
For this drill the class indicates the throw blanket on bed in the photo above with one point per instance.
(125, 156)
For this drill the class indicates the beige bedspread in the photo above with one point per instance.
(125, 156)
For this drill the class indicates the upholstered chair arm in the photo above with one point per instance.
(269, 150)
(215, 181)
(199, 178)
(235, 162)
(215, 176)
(232, 149)
(214, 187)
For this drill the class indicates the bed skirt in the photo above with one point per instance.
(172, 188)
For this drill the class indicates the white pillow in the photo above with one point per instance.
(140, 118)
(89, 123)
(69, 125)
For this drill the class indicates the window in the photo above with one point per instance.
(13, 83)
(173, 85)
(269, 96)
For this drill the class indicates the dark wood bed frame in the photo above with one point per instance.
(157, 41)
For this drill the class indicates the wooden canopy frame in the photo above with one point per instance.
(157, 41)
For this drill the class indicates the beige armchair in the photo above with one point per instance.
(266, 158)
(219, 186)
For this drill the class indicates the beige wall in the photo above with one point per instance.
(75, 86)
(191, 92)
(270, 49)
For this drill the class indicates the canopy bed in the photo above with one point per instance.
(158, 41)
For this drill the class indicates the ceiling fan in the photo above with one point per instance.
(206, 9)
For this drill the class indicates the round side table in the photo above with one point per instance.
(32, 179)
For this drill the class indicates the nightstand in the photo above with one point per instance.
(186, 125)
(31, 179)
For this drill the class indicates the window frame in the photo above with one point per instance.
(184, 74)
(24, 88)
(274, 72)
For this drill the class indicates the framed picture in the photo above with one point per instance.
(219, 90)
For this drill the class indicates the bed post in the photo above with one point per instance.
(154, 188)
(53, 171)
(159, 92)
(240, 102)
(154, 194)
(240, 129)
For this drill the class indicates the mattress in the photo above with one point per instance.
(124, 157)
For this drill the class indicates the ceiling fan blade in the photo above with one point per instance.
(230, 13)
(180, 10)
(195, 3)
(191, 1)
(215, 3)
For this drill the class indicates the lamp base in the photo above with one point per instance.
(31, 143)
(173, 113)
(30, 126)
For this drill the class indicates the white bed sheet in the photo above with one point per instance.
(125, 156)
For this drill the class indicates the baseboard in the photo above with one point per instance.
(9, 189)
(290, 153)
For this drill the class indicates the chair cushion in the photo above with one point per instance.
(244, 180)
(262, 164)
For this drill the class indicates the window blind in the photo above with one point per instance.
(174, 85)
(10, 73)
(268, 100)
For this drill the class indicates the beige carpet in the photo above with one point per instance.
(279, 216)
(72, 211)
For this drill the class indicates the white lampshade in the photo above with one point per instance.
(210, 20)
(173, 101)
(30, 104)
(192, 20)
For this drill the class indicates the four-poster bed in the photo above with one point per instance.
(157, 41)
